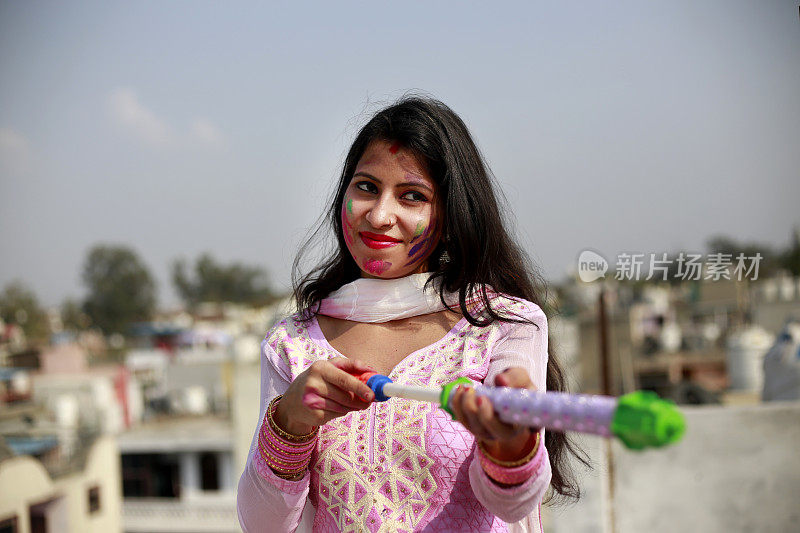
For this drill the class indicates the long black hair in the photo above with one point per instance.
(480, 249)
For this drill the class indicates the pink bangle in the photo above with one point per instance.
(287, 458)
(281, 453)
(510, 475)
(281, 464)
(276, 442)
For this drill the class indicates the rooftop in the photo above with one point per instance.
(179, 434)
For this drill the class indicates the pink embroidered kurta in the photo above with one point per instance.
(400, 465)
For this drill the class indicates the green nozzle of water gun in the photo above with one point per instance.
(447, 390)
(642, 420)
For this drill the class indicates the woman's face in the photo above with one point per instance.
(391, 213)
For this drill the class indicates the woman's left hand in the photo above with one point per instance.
(503, 441)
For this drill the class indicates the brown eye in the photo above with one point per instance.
(415, 196)
(366, 186)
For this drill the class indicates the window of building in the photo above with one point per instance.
(94, 499)
(150, 475)
(9, 525)
(38, 522)
(47, 515)
(209, 471)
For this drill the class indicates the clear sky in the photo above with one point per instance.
(183, 127)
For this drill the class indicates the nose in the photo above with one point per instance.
(383, 212)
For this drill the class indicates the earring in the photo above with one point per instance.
(444, 257)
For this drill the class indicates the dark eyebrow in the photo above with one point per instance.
(419, 183)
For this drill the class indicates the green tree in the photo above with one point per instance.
(790, 258)
(121, 289)
(214, 282)
(770, 258)
(72, 315)
(19, 305)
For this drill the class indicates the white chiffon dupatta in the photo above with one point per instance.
(383, 300)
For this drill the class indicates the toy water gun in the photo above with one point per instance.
(639, 419)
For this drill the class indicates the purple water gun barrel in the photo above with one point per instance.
(557, 410)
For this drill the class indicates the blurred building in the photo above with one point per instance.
(774, 301)
(178, 475)
(694, 341)
(82, 496)
(177, 464)
(59, 461)
(181, 464)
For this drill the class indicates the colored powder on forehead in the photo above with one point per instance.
(394, 148)
(376, 266)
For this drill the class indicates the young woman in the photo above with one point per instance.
(425, 285)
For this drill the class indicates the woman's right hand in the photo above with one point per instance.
(326, 390)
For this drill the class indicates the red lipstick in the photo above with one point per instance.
(375, 240)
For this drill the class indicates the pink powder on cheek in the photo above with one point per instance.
(376, 266)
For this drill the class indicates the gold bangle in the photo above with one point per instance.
(511, 464)
(281, 432)
(261, 440)
(290, 477)
(277, 469)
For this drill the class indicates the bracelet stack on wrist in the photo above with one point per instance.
(286, 454)
(509, 472)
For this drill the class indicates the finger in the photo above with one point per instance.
(314, 401)
(470, 410)
(353, 366)
(455, 404)
(334, 393)
(337, 374)
(489, 420)
(515, 377)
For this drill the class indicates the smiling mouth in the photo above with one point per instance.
(377, 243)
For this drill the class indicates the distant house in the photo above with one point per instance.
(83, 497)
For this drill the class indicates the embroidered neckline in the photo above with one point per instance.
(315, 335)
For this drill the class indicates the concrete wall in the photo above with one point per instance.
(245, 408)
(103, 469)
(24, 482)
(737, 469)
(772, 315)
